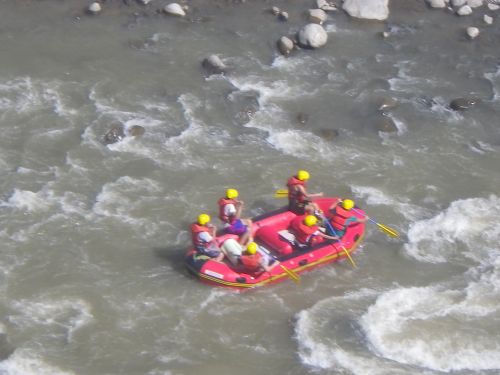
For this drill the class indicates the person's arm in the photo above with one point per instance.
(334, 204)
(309, 195)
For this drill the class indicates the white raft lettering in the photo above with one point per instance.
(214, 274)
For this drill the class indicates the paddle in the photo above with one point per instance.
(291, 273)
(281, 193)
(332, 232)
(389, 231)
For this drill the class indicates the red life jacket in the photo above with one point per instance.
(196, 229)
(251, 262)
(302, 232)
(293, 193)
(340, 217)
(222, 203)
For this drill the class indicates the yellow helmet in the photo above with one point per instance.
(231, 193)
(347, 204)
(303, 175)
(252, 248)
(203, 219)
(310, 220)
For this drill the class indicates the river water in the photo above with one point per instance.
(93, 235)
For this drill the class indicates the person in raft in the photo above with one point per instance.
(342, 216)
(307, 232)
(229, 212)
(203, 233)
(299, 200)
(254, 262)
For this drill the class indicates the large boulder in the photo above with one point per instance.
(437, 3)
(367, 9)
(312, 35)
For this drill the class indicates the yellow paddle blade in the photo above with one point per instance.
(349, 256)
(281, 193)
(391, 232)
(292, 274)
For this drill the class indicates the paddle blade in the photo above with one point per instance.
(391, 232)
(349, 256)
(281, 193)
(292, 274)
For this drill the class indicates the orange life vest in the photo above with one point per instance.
(251, 262)
(303, 233)
(295, 194)
(222, 203)
(196, 229)
(340, 217)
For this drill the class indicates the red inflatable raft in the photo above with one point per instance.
(270, 232)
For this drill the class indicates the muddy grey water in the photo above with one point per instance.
(93, 235)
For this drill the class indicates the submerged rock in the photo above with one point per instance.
(328, 134)
(387, 103)
(462, 104)
(302, 118)
(367, 9)
(6, 349)
(386, 125)
(243, 105)
(214, 65)
(136, 131)
(115, 134)
(312, 35)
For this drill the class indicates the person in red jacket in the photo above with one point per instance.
(307, 231)
(230, 214)
(299, 200)
(254, 262)
(342, 216)
(202, 235)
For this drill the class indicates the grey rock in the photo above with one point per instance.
(275, 10)
(487, 19)
(328, 134)
(464, 10)
(302, 118)
(94, 8)
(437, 3)
(312, 35)
(214, 65)
(386, 125)
(283, 16)
(472, 32)
(136, 131)
(174, 9)
(458, 3)
(387, 103)
(285, 45)
(475, 3)
(462, 104)
(367, 9)
(317, 16)
(115, 134)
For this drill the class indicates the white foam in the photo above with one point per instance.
(474, 222)
(28, 201)
(120, 200)
(26, 362)
(434, 329)
(494, 78)
(326, 337)
(51, 315)
(376, 197)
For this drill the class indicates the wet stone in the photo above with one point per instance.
(386, 125)
(136, 131)
(462, 104)
(115, 134)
